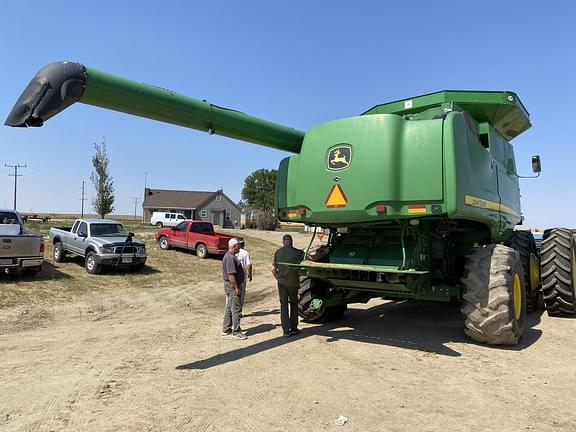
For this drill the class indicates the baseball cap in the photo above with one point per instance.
(233, 242)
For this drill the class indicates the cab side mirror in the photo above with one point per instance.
(536, 165)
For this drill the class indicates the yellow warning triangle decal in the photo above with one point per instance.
(336, 197)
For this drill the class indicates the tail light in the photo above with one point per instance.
(42, 247)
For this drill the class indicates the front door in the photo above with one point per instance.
(216, 217)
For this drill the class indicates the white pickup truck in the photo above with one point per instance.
(102, 242)
(20, 248)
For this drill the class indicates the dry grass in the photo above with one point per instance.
(61, 282)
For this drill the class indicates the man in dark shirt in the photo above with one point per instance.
(234, 282)
(288, 284)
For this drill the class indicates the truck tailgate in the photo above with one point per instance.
(25, 245)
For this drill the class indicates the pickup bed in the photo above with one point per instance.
(101, 242)
(20, 248)
(198, 236)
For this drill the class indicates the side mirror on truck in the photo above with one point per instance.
(536, 166)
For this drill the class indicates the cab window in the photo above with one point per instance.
(180, 227)
(83, 229)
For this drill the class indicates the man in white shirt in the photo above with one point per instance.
(244, 258)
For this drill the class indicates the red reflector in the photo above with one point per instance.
(381, 208)
(302, 211)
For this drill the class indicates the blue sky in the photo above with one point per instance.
(297, 63)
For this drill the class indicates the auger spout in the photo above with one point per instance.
(58, 85)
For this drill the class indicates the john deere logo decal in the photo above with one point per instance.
(339, 157)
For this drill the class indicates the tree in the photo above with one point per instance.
(258, 193)
(103, 202)
(259, 188)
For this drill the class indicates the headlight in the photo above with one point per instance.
(107, 249)
(141, 249)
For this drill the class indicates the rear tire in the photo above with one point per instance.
(494, 295)
(201, 251)
(31, 271)
(58, 252)
(558, 267)
(523, 242)
(91, 264)
(163, 243)
(309, 290)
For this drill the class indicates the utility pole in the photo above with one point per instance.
(135, 205)
(15, 175)
(145, 186)
(82, 198)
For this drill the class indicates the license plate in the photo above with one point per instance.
(5, 261)
(127, 260)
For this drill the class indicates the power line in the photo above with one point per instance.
(15, 175)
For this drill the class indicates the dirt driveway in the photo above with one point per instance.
(153, 360)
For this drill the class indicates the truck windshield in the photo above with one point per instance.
(105, 229)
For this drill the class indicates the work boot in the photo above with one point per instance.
(239, 335)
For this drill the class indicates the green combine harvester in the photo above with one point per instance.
(419, 197)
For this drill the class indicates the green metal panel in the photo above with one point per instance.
(393, 161)
(116, 93)
(502, 109)
(478, 187)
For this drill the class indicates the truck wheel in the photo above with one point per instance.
(139, 267)
(523, 242)
(201, 251)
(159, 224)
(309, 290)
(58, 252)
(494, 295)
(31, 271)
(164, 243)
(559, 271)
(91, 264)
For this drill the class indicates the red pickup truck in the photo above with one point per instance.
(198, 236)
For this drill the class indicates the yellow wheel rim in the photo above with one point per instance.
(534, 273)
(517, 296)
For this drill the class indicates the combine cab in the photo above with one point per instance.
(419, 197)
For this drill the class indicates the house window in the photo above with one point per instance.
(203, 213)
(218, 197)
(228, 215)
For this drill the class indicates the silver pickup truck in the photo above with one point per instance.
(102, 242)
(20, 248)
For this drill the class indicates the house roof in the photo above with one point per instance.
(187, 200)
(175, 198)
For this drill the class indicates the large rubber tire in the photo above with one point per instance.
(159, 224)
(58, 252)
(91, 264)
(558, 267)
(201, 251)
(523, 242)
(310, 289)
(163, 243)
(494, 295)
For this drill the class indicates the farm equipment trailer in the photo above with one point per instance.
(420, 197)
